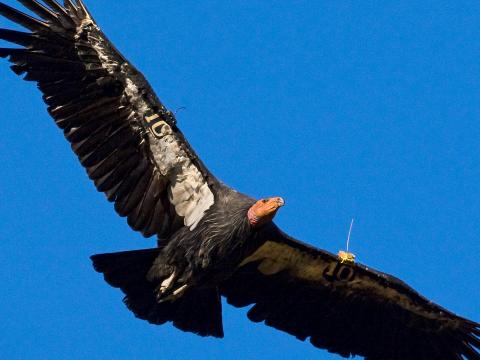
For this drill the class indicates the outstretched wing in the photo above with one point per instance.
(345, 308)
(123, 135)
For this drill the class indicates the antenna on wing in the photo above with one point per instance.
(180, 109)
(349, 233)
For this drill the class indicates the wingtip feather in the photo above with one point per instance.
(65, 18)
(39, 9)
(476, 330)
(5, 52)
(13, 36)
(22, 19)
(469, 352)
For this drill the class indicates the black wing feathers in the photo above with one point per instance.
(346, 309)
(42, 11)
(23, 19)
(83, 80)
(65, 18)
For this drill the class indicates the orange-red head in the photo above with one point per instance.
(264, 210)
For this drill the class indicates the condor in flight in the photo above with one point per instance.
(212, 240)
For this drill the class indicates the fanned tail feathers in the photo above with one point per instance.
(197, 310)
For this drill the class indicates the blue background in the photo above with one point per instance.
(345, 108)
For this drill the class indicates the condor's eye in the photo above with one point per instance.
(265, 200)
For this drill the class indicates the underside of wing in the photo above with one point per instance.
(122, 134)
(345, 308)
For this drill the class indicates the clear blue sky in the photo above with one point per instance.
(368, 109)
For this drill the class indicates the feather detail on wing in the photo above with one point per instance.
(122, 134)
(345, 308)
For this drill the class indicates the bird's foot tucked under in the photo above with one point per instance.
(167, 283)
(177, 293)
(165, 286)
(166, 291)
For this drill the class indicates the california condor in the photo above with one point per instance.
(212, 240)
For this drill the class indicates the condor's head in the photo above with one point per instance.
(264, 210)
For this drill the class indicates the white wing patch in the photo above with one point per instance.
(188, 191)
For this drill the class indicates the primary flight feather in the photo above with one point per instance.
(212, 240)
